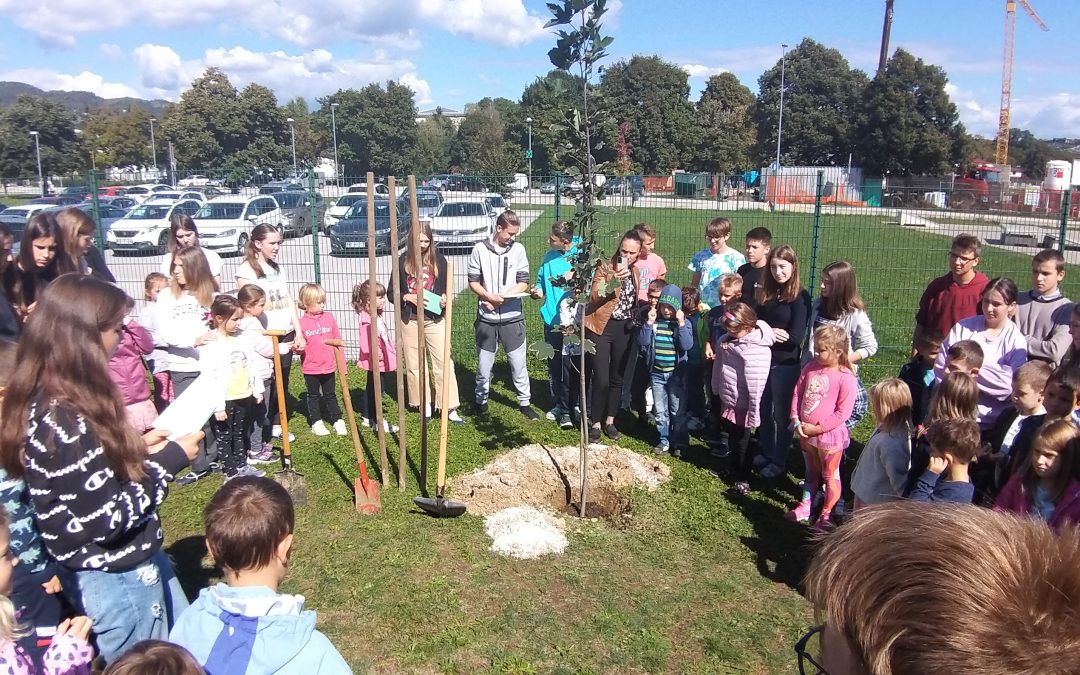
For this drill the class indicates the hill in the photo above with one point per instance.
(79, 102)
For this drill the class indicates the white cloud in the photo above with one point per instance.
(160, 68)
(1053, 116)
(703, 72)
(110, 51)
(504, 22)
(84, 81)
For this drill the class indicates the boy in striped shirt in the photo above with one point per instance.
(665, 339)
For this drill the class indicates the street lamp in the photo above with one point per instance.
(528, 120)
(292, 130)
(780, 122)
(153, 146)
(333, 123)
(41, 176)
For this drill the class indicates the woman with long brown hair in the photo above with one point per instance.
(182, 234)
(434, 280)
(35, 266)
(95, 483)
(77, 251)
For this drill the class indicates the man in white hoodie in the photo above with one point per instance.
(499, 275)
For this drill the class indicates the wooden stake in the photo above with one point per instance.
(421, 335)
(376, 353)
(399, 343)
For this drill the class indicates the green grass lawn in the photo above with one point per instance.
(693, 582)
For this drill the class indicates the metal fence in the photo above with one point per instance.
(895, 249)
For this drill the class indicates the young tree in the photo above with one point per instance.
(725, 130)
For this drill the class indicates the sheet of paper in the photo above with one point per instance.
(190, 410)
(523, 294)
(432, 302)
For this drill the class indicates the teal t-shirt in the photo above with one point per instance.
(554, 266)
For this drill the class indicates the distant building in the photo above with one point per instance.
(454, 116)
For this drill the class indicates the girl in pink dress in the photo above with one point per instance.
(823, 401)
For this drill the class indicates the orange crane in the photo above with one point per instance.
(1001, 148)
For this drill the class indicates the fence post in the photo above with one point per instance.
(315, 225)
(95, 209)
(1064, 220)
(817, 232)
(558, 194)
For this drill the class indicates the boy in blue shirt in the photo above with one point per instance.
(554, 267)
(953, 444)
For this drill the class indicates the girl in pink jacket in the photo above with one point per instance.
(823, 401)
(1047, 487)
(129, 373)
(387, 352)
(738, 381)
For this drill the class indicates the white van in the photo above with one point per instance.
(145, 228)
(225, 223)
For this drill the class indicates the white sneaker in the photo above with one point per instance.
(339, 428)
(427, 410)
(454, 417)
(365, 422)
(276, 433)
(319, 429)
(389, 428)
(552, 414)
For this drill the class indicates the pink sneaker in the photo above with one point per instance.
(824, 524)
(801, 513)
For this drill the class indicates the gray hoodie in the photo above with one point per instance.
(498, 271)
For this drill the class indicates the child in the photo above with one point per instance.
(730, 292)
(128, 372)
(636, 389)
(1047, 486)
(69, 653)
(239, 388)
(758, 248)
(918, 373)
(738, 380)
(158, 360)
(665, 339)
(953, 444)
(709, 264)
(244, 625)
(387, 352)
(260, 349)
(552, 270)
(1042, 313)
(955, 397)
(1061, 400)
(1004, 348)
(823, 401)
(649, 267)
(94, 482)
(156, 657)
(1073, 356)
(881, 474)
(1029, 381)
(965, 356)
(318, 361)
(693, 309)
(570, 316)
(956, 295)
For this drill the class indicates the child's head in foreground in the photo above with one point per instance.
(956, 439)
(249, 527)
(361, 296)
(965, 356)
(1052, 459)
(152, 285)
(1047, 271)
(908, 588)
(691, 300)
(758, 245)
(1029, 381)
(155, 657)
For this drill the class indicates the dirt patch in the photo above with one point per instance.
(547, 478)
(601, 503)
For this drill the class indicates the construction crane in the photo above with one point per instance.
(1001, 148)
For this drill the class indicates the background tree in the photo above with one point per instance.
(821, 101)
(432, 152)
(725, 134)
(1031, 154)
(209, 124)
(907, 124)
(653, 95)
(483, 137)
(61, 150)
(311, 143)
(544, 100)
(267, 144)
(118, 138)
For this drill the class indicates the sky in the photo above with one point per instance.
(452, 52)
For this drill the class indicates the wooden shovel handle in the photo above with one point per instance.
(333, 342)
(444, 401)
(274, 333)
(343, 375)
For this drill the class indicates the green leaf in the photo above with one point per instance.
(542, 349)
(589, 346)
(572, 340)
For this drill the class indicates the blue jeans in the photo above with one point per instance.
(695, 388)
(554, 337)
(129, 606)
(775, 432)
(669, 399)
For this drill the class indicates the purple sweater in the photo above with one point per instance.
(1001, 356)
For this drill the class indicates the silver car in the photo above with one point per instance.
(296, 211)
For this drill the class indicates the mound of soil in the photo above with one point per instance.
(547, 478)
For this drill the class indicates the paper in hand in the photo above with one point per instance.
(432, 302)
(189, 411)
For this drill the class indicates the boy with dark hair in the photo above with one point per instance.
(758, 245)
(965, 356)
(714, 261)
(244, 625)
(955, 295)
(953, 444)
(918, 373)
(1043, 313)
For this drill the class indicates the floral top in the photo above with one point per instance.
(625, 305)
(711, 266)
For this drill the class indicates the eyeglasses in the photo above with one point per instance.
(807, 664)
(962, 258)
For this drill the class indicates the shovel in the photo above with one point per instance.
(440, 507)
(367, 490)
(293, 481)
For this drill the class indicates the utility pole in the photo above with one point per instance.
(337, 164)
(780, 121)
(41, 176)
(886, 29)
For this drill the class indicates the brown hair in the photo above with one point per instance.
(361, 294)
(718, 227)
(7, 364)
(177, 222)
(246, 520)
(1068, 378)
(897, 583)
(771, 289)
(1048, 255)
(251, 253)
(249, 295)
(61, 358)
(657, 285)
(72, 222)
(562, 229)
(1033, 374)
(844, 295)
(833, 337)
(224, 307)
(956, 396)
(1059, 437)
(927, 339)
(691, 299)
(739, 316)
(890, 401)
(155, 657)
(645, 229)
(506, 219)
(197, 278)
(968, 352)
(731, 282)
(957, 436)
(968, 243)
(429, 258)
(151, 279)
(23, 288)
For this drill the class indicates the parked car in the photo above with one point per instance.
(547, 187)
(197, 180)
(225, 223)
(125, 203)
(296, 210)
(349, 236)
(361, 188)
(15, 218)
(211, 191)
(437, 182)
(427, 203)
(197, 195)
(145, 228)
(58, 200)
(2, 207)
(497, 201)
(108, 215)
(459, 183)
(162, 197)
(462, 223)
(110, 191)
(280, 186)
(338, 209)
(625, 185)
(142, 192)
(74, 191)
